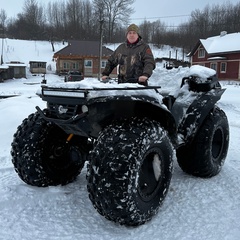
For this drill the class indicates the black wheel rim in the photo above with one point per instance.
(151, 175)
(217, 144)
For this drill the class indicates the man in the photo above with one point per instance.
(134, 57)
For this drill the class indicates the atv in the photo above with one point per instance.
(128, 135)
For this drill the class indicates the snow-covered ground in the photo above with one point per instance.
(194, 209)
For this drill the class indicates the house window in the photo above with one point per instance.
(38, 65)
(213, 66)
(75, 66)
(65, 65)
(201, 53)
(16, 70)
(103, 64)
(41, 65)
(223, 67)
(88, 63)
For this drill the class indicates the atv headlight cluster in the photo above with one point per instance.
(63, 94)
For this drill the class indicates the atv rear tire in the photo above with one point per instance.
(42, 157)
(129, 171)
(206, 155)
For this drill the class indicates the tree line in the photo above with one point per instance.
(82, 20)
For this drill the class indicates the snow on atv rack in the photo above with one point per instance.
(92, 89)
(82, 92)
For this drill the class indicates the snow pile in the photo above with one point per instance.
(201, 71)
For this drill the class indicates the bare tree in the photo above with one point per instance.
(159, 31)
(3, 18)
(31, 21)
(73, 10)
(72, 19)
(232, 17)
(33, 12)
(151, 31)
(55, 16)
(89, 23)
(145, 30)
(113, 12)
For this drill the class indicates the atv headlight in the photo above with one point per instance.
(63, 94)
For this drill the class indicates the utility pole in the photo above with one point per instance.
(2, 29)
(100, 49)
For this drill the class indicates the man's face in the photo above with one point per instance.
(132, 36)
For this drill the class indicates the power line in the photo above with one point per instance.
(151, 18)
(173, 16)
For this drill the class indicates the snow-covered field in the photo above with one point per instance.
(194, 209)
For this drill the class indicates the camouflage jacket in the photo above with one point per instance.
(133, 60)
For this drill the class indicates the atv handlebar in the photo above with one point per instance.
(129, 80)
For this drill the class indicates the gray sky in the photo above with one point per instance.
(172, 12)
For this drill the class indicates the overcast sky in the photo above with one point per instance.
(172, 12)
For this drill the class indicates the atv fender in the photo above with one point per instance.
(197, 112)
(104, 111)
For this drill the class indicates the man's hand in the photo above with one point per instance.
(143, 79)
(104, 78)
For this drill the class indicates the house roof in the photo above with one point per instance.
(15, 64)
(37, 61)
(223, 43)
(83, 48)
(3, 67)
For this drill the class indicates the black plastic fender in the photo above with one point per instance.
(105, 109)
(101, 111)
(197, 112)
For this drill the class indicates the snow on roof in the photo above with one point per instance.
(37, 61)
(3, 67)
(15, 64)
(222, 43)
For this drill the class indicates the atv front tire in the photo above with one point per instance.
(205, 156)
(41, 155)
(129, 171)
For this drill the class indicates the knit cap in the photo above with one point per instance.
(133, 27)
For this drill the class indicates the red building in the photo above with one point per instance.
(221, 53)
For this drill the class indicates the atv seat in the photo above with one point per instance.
(198, 84)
